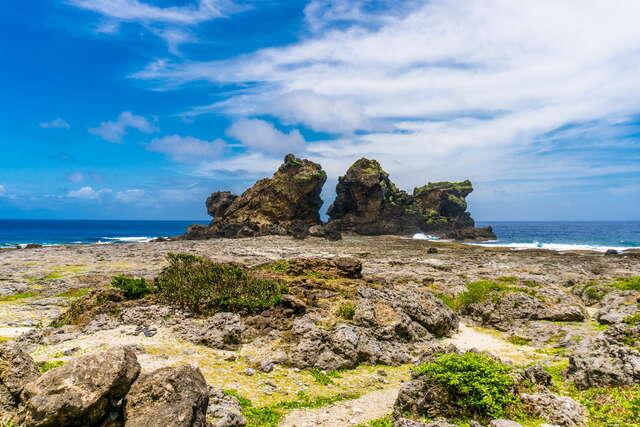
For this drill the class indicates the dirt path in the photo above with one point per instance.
(377, 404)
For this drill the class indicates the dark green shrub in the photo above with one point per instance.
(199, 285)
(133, 288)
(477, 384)
(347, 310)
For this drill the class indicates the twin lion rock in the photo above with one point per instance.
(366, 203)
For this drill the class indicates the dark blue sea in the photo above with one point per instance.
(555, 235)
(75, 232)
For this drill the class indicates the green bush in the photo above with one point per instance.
(630, 284)
(347, 310)
(199, 285)
(133, 288)
(477, 384)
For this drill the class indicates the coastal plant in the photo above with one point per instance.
(47, 366)
(629, 284)
(133, 288)
(477, 384)
(197, 284)
(17, 297)
(347, 310)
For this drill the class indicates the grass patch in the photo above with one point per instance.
(385, 421)
(324, 378)
(201, 286)
(74, 293)
(243, 401)
(17, 297)
(630, 284)
(347, 310)
(133, 288)
(48, 366)
(477, 384)
(518, 340)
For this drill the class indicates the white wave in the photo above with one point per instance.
(422, 236)
(560, 247)
(142, 239)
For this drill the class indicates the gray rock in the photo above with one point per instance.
(604, 365)
(81, 392)
(561, 410)
(172, 396)
(405, 422)
(504, 423)
(225, 409)
(221, 331)
(17, 368)
(617, 305)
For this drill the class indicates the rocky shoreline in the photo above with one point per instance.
(363, 321)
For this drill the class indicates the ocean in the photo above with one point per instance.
(554, 235)
(74, 232)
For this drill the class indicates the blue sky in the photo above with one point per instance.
(140, 108)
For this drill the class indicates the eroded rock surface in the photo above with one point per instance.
(222, 330)
(560, 410)
(17, 368)
(172, 396)
(616, 306)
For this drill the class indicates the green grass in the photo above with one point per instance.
(201, 286)
(133, 288)
(629, 284)
(518, 340)
(74, 293)
(385, 421)
(347, 310)
(633, 319)
(477, 384)
(47, 366)
(324, 378)
(243, 401)
(17, 297)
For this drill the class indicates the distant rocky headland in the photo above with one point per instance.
(367, 203)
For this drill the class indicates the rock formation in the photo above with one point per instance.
(286, 204)
(367, 202)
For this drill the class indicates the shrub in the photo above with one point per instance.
(133, 288)
(47, 366)
(630, 284)
(477, 384)
(633, 319)
(199, 285)
(347, 310)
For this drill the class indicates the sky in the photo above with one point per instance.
(139, 109)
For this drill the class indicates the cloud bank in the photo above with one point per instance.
(114, 131)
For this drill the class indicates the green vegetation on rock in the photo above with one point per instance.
(17, 297)
(347, 310)
(201, 286)
(133, 288)
(47, 366)
(629, 284)
(477, 384)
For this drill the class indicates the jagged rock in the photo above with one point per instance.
(218, 203)
(388, 326)
(599, 363)
(286, 204)
(222, 331)
(225, 409)
(561, 410)
(338, 267)
(81, 392)
(405, 422)
(367, 202)
(17, 368)
(172, 396)
(538, 375)
(618, 305)
(504, 423)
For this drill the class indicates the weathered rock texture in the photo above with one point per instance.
(80, 393)
(172, 396)
(286, 204)
(367, 202)
(560, 410)
(17, 368)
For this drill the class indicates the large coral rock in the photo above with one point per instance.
(81, 392)
(286, 204)
(607, 366)
(618, 305)
(560, 410)
(224, 409)
(367, 202)
(222, 331)
(17, 369)
(172, 396)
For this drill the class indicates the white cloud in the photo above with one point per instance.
(76, 177)
(186, 148)
(87, 193)
(248, 165)
(3, 190)
(55, 124)
(473, 89)
(263, 136)
(130, 195)
(116, 130)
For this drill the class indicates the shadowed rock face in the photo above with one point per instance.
(286, 204)
(368, 202)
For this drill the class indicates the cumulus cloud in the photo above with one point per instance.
(114, 131)
(263, 136)
(471, 88)
(87, 193)
(187, 149)
(55, 124)
(130, 195)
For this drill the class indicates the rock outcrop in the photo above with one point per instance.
(81, 392)
(559, 410)
(286, 204)
(368, 203)
(17, 369)
(172, 396)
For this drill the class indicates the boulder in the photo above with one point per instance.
(17, 369)
(602, 364)
(172, 396)
(560, 410)
(617, 305)
(224, 409)
(286, 204)
(367, 202)
(84, 391)
(221, 331)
